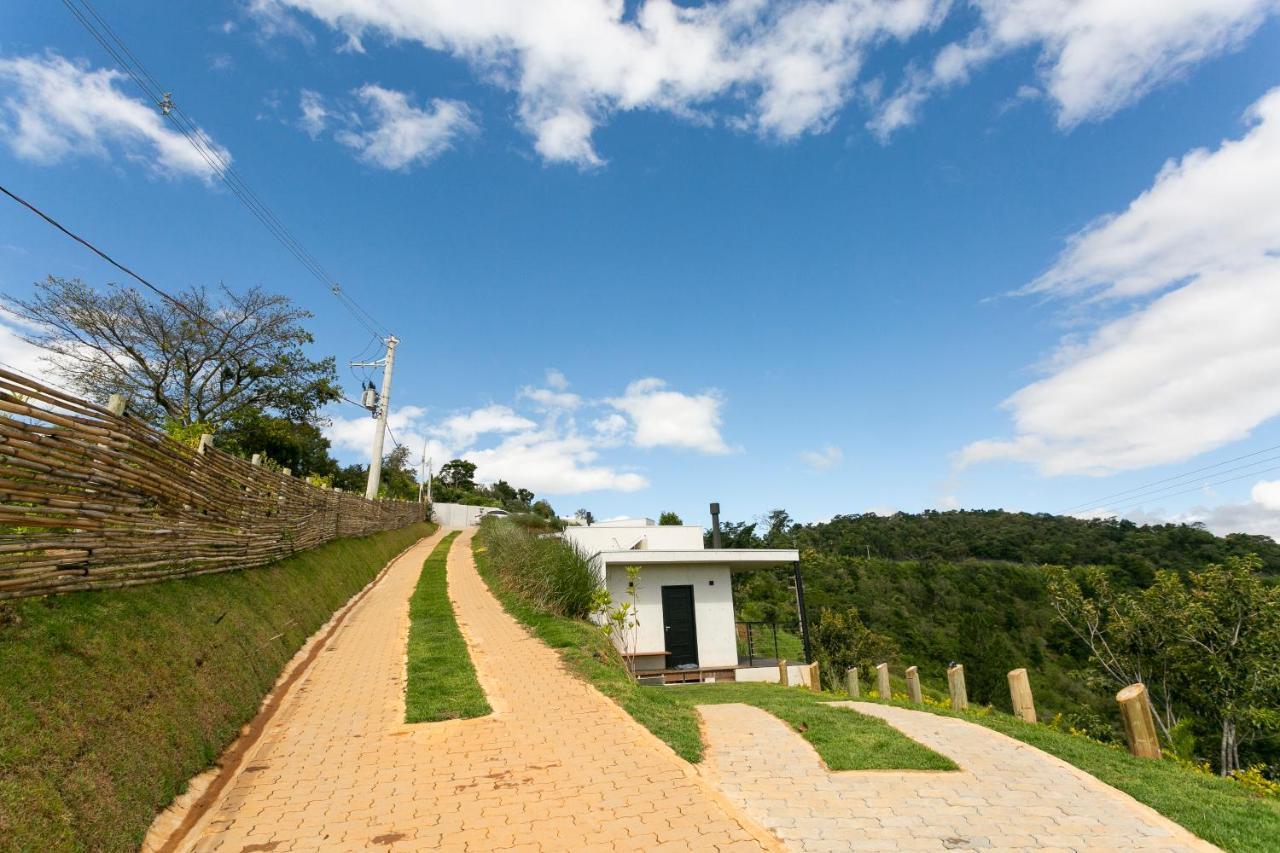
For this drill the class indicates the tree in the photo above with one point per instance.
(524, 496)
(585, 516)
(460, 474)
(1130, 635)
(669, 519)
(543, 508)
(233, 351)
(1229, 618)
(299, 446)
(398, 480)
(841, 640)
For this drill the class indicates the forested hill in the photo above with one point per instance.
(1018, 537)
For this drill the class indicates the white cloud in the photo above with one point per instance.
(556, 380)
(53, 109)
(572, 65)
(550, 456)
(1266, 493)
(555, 396)
(16, 353)
(1096, 56)
(557, 465)
(399, 134)
(824, 459)
(1259, 515)
(664, 418)
(1196, 366)
(315, 115)
(465, 428)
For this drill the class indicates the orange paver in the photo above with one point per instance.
(1007, 795)
(558, 766)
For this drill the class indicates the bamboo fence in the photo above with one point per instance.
(91, 499)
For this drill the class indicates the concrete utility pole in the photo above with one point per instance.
(384, 406)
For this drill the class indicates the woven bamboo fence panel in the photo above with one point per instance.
(90, 499)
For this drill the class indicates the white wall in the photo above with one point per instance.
(596, 538)
(797, 674)
(457, 515)
(712, 609)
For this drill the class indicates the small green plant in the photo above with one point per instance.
(621, 620)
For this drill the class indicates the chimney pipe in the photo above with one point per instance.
(715, 525)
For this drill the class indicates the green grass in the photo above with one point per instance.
(844, 739)
(1218, 810)
(111, 700)
(442, 682)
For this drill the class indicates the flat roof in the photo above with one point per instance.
(753, 558)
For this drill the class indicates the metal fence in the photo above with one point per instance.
(90, 498)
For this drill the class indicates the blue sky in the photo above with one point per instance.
(786, 254)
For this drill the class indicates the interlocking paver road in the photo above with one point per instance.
(557, 767)
(1007, 795)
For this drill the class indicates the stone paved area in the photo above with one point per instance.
(557, 767)
(1007, 794)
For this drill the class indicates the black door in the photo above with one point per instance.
(680, 629)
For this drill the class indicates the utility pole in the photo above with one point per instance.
(425, 482)
(381, 411)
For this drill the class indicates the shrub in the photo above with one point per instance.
(548, 573)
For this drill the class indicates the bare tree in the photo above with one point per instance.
(226, 353)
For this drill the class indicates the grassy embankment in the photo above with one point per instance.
(111, 700)
(442, 682)
(846, 741)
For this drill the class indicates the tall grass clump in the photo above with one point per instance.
(549, 573)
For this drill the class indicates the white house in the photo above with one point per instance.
(683, 594)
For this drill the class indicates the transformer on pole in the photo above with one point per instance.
(381, 405)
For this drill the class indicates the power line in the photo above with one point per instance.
(83, 242)
(210, 153)
(1146, 486)
(1251, 474)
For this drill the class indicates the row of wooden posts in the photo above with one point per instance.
(1135, 704)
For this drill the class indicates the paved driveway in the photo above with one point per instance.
(1007, 795)
(558, 766)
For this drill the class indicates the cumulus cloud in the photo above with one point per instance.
(1095, 56)
(16, 353)
(665, 418)
(395, 134)
(823, 459)
(544, 451)
(1196, 364)
(572, 65)
(463, 429)
(1259, 515)
(53, 109)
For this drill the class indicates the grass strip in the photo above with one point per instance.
(1218, 810)
(442, 681)
(111, 700)
(844, 739)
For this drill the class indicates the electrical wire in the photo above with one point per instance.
(1205, 485)
(209, 151)
(1170, 480)
(83, 242)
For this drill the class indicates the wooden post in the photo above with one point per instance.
(1024, 705)
(955, 684)
(784, 677)
(206, 441)
(288, 472)
(815, 678)
(851, 682)
(256, 460)
(882, 681)
(116, 404)
(1139, 724)
(913, 685)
